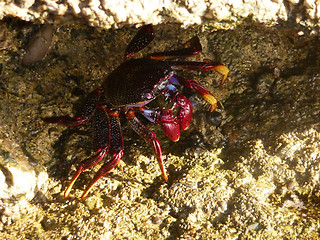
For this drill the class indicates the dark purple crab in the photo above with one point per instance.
(130, 87)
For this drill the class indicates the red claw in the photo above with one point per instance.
(169, 124)
(185, 113)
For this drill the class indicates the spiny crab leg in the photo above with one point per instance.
(192, 84)
(84, 165)
(107, 167)
(82, 116)
(116, 148)
(142, 39)
(101, 125)
(191, 48)
(202, 66)
(148, 135)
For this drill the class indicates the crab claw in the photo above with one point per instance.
(170, 124)
(185, 113)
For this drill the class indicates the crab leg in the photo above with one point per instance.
(143, 37)
(84, 165)
(192, 84)
(147, 134)
(102, 141)
(202, 66)
(116, 150)
(82, 116)
(191, 48)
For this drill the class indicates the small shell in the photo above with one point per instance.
(38, 45)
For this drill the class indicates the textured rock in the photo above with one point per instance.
(105, 13)
(254, 176)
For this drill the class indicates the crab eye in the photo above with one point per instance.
(162, 85)
(146, 96)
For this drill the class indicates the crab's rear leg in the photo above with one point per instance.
(82, 116)
(116, 150)
(102, 141)
(148, 135)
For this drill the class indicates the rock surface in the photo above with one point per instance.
(102, 13)
(256, 175)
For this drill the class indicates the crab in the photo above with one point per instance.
(131, 87)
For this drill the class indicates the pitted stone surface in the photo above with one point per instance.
(106, 14)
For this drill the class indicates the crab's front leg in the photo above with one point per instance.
(192, 84)
(170, 123)
(148, 135)
(202, 66)
(82, 116)
(191, 48)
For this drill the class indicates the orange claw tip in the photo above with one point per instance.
(224, 71)
(184, 128)
(213, 108)
(164, 175)
(67, 192)
(165, 178)
(175, 139)
(211, 100)
(85, 193)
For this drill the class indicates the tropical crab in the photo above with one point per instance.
(129, 88)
